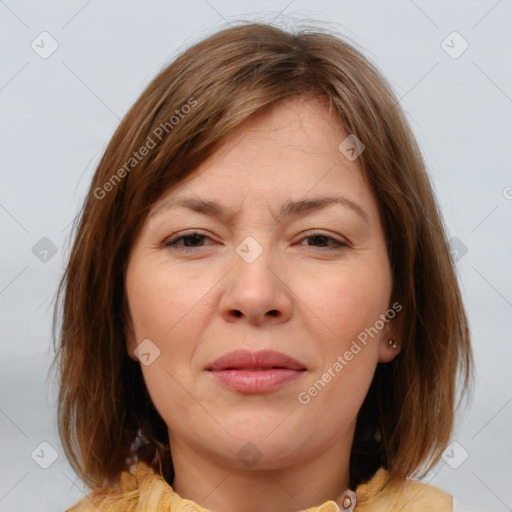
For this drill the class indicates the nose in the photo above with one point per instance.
(257, 291)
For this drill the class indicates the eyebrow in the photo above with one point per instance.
(288, 209)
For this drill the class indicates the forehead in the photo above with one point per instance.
(299, 127)
(289, 151)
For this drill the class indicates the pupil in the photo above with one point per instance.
(187, 239)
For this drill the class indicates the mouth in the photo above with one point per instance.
(256, 372)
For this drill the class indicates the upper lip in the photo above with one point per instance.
(247, 360)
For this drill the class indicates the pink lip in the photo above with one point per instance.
(256, 372)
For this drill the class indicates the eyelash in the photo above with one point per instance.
(172, 243)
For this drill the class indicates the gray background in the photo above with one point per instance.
(58, 113)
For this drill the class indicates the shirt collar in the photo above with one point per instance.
(157, 495)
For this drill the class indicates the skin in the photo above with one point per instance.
(300, 296)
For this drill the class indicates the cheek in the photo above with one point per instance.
(164, 308)
(331, 406)
(350, 303)
(349, 300)
(162, 300)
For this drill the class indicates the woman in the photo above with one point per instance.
(260, 311)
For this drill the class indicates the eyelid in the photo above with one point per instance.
(338, 238)
(338, 243)
(189, 232)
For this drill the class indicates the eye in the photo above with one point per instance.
(320, 239)
(190, 240)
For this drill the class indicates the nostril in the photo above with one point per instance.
(273, 312)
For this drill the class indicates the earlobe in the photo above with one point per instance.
(130, 346)
(130, 338)
(389, 349)
(129, 332)
(391, 341)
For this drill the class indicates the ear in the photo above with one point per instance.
(131, 345)
(391, 340)
(129, 333)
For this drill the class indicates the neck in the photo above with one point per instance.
(222, 488)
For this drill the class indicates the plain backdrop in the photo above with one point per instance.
(59, 110)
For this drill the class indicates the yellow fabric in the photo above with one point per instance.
(147, 491)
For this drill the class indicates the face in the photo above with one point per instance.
(270, 267)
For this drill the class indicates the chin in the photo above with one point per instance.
(265, 453)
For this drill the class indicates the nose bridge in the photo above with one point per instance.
(250, 250)
(252, 265)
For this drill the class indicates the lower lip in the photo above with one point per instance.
(257, 381)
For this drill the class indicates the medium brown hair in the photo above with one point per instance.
(407, 417)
